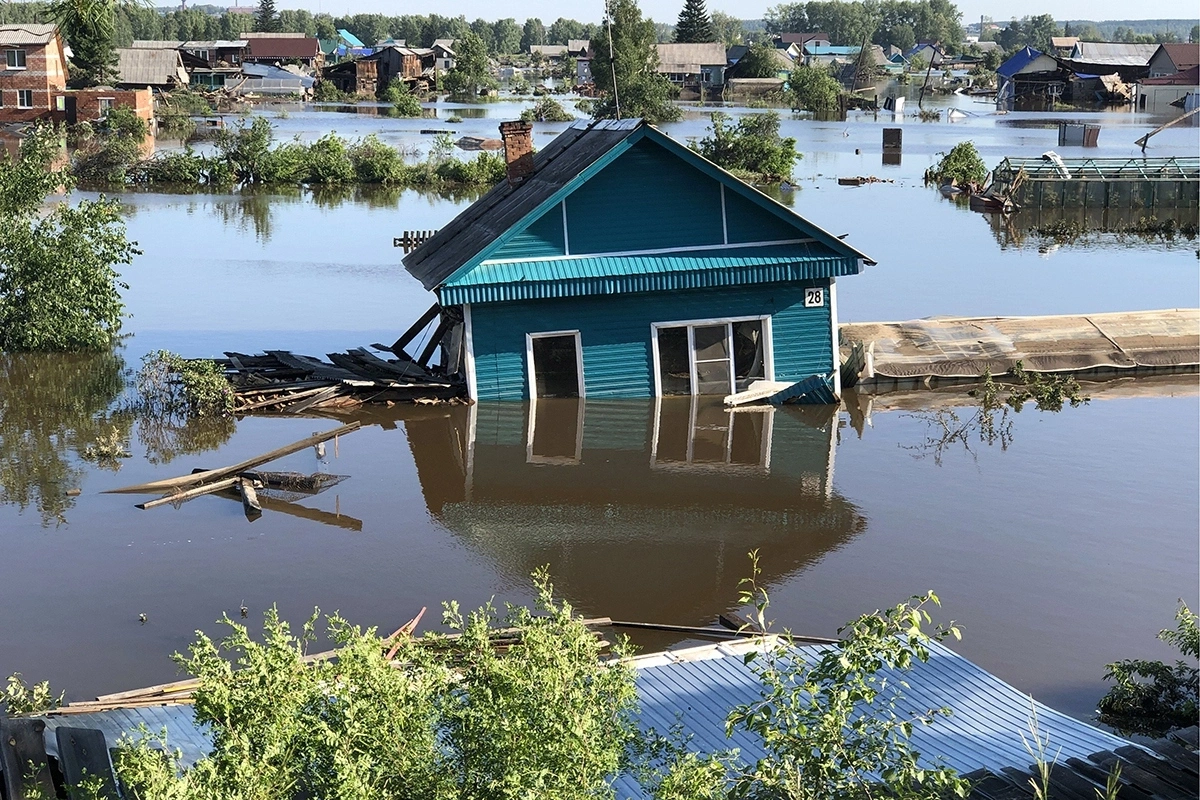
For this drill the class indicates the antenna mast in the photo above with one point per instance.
(612, 59)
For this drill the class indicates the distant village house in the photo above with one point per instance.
(33, 71)
(693, 66)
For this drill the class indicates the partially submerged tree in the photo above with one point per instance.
(627, 72)
(471, 70)
(694, 24)
(59, 288)
(760, 61)
(752, 149)
(813, 89)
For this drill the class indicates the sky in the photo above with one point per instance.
(668, 10)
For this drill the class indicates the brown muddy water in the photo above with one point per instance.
(1063, 551)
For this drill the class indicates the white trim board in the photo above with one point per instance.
(469, 354)
(652, 252)
(531, 377)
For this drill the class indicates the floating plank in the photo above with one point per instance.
(196, 478)
(312, 365)
(280, 399)
(312, 400)
(83, 757)
(26, 770)
(249, 499)
(189, 494)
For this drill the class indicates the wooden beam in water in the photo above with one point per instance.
(417, 327)
(250, 504)
(434, 341)
(184, 496)
(197, 478)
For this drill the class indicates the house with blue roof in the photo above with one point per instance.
(618, 263)
(1029, 79)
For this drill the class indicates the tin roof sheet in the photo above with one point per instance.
(142, 67)
(698, 687)
(1115, 54)
(29, 33)
(681, 57)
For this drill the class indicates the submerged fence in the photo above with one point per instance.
(1053, 182)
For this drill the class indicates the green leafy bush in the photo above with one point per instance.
(752, 148)
(962, 166)
(813, 89)
(169, 384)
(326, 92)
(18, 698)
(1151, 696)
(375, 162)
(546, 110)
(401, 97)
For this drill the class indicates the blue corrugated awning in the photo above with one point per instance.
(593, 275)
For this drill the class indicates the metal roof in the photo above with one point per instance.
(1185, 77)
(349, 38)
(283, 47)
(30, 33)
(156, 44)
(1021, 59)
(1113, 54)
(218, 44)
(1183, 56)
(681, 57)
(1142, 169)
(139, 67)
(697, 688)
(830, 50)
(700, 269)
(564, 165)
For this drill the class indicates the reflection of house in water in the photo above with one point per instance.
(641, 509)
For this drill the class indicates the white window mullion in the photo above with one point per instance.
(692, 360)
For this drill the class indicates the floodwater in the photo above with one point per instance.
(1058, 553)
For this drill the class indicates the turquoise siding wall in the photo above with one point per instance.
(542, 238)
(644, 200)
(615, 334)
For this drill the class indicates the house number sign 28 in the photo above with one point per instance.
(814, 298)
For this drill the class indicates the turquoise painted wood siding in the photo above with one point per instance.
(544, 237)
(747, 222)
(644, 200)
(615, 335)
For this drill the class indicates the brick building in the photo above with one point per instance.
(33, 68)
(88, 105)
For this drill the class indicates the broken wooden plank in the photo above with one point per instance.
(313, 365)
(406, 368)
(250, 503)
(196, 478)
(279, 399)
(418, 326)
(189, 494)
(312, 400)
(434, 341)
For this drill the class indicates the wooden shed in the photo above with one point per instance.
(616, 262)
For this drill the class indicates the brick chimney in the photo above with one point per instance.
(518, 150)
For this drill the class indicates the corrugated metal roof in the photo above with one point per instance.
(830, 50)
(1019, 60)
(564, 165)
(349, 38)
(138, 67)
(689, 57)
(575, 277)
(30, 33)
(1114, 54)
(179, 721)
(1187, 77)
(698, 687)
(1183, 56)
(283, 47)
(156, 44)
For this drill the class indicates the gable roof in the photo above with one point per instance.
(1114, 54)
(1019, 60)
(689, 57)
(30, 33)
(565, 164)
(801, 38)
(141, 67)
(1185, 77)
(1063, 42)
(1183, 56)
(445, 44)
(549, 50)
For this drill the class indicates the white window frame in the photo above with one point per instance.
(531, 428)
(100, 101)
(529, 371)
(10, 55)
(691, 324)
(21, 92)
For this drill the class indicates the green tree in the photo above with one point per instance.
(59, 288)
(760, 61)
(813, 89)
(562, 30)
(902, 35)
(729, 29)
(787, 18)
(752, 149)
(507, 36)
(694, 24)
(266, 20)
(1194, 34)
(89, 27)
(534, 33)
(470, 66)
(627, 73)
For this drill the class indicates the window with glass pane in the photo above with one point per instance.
(711, 347)
(748, 357)
(24, 98)
(674, 366)
(15, 59)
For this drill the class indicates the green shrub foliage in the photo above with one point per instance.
(1151, 696)
(751, 149)
(962, 166)
(813, 89)
(59, 286)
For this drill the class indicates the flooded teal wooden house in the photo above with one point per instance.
(616, 262)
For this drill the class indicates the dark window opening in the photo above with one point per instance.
(748, 360)
(675, 371)
(555, 366)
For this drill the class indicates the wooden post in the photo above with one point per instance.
(418, 326)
